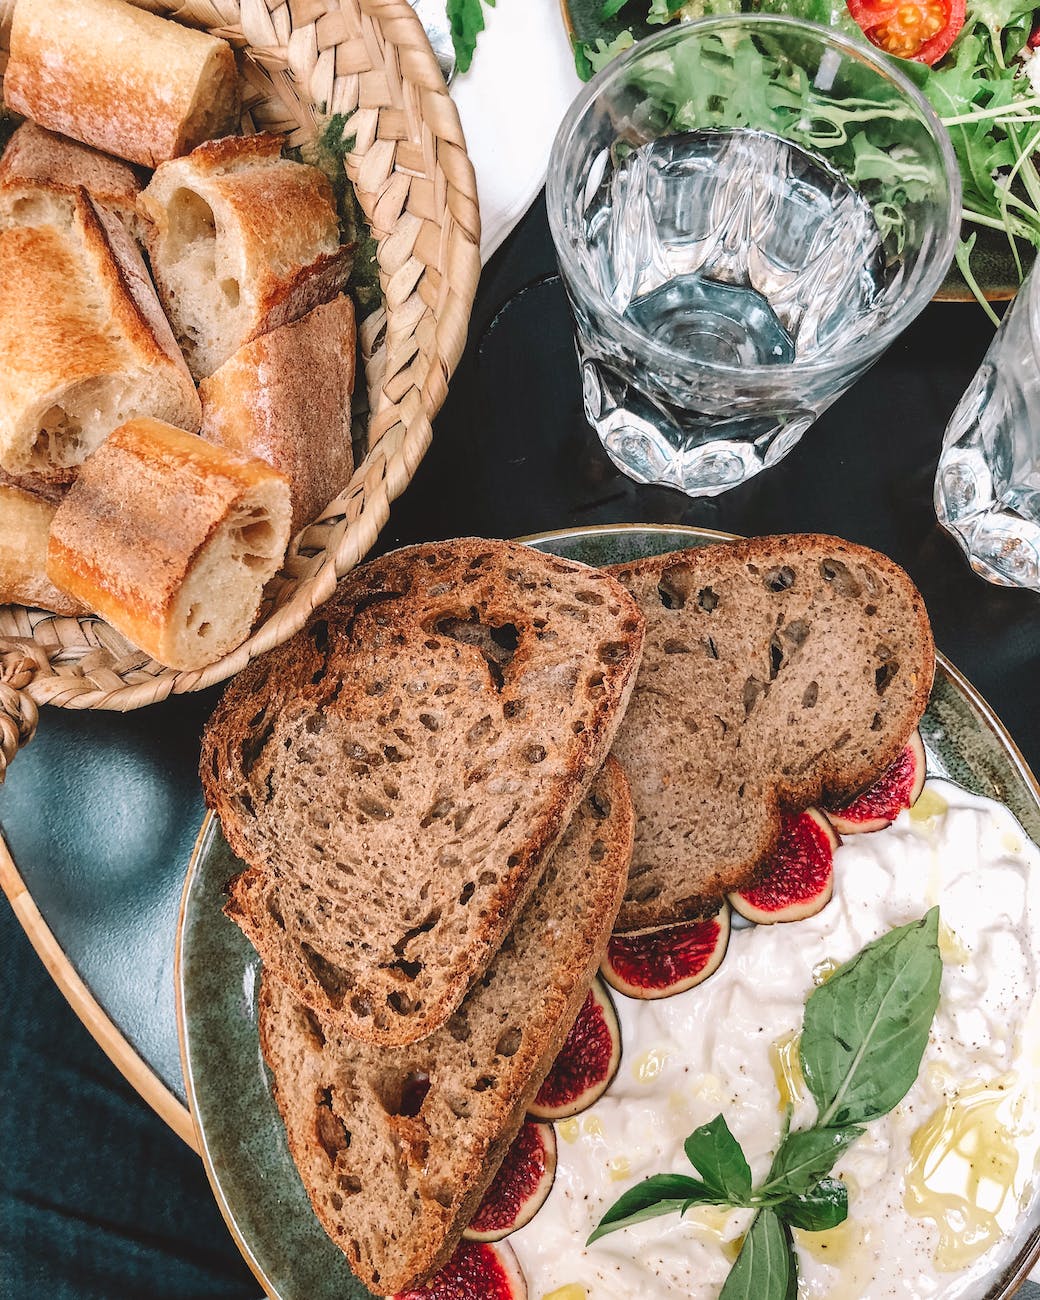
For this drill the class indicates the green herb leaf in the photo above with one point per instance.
(866, 1029)
(716, 1155)
(466, 18)
(610, 8)
(661, 1194)
(806, 1157)
(765, 1265)
(824, 1207)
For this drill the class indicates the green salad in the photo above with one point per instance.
(969, 58)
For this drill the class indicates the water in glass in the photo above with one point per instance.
(733, 247)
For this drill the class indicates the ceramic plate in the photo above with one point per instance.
(241, 1135)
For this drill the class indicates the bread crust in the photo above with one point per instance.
(264, 224)
(141, 513)
(285, 398)
(24, 523)
(119, 78)
(765, 685)
(76, 307)
(37, 157)
(538, 735)
(446, 1156)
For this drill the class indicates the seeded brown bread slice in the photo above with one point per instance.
(405, 765)
(394, 1182)
(777, 672)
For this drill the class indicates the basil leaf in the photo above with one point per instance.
(866, 1029)
(661, 1194)
(765, 1264)
(806, 1157)
(716, 1155)
(824, 1207)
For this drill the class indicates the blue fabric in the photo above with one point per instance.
(99, 1200)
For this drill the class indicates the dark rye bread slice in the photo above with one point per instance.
(394, 1182)
(402, 768)
(777, 672)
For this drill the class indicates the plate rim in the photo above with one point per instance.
(1022, 1263)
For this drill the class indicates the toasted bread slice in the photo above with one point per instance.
(778, 672)
(393, 1184)
(119, 78)
(406, 764)
(25, 520)
(285, 397)
(241, 241)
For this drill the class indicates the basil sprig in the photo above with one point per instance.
(863, 1036)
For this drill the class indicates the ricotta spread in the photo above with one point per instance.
(938, 1188)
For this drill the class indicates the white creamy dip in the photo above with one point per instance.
(936, 1188)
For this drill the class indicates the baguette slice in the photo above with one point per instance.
(404, 766)
(84, 345)
(171, 540)
(25, 520)
(119, 78)
(394, 1189)
(778, 673)
(285, 398)
(241, 241)
(36, 157)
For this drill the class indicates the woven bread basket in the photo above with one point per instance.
(301, 63)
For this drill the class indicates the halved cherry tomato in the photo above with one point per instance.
(921, 30)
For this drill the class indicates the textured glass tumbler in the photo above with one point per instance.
(987, 487)
(747, 210)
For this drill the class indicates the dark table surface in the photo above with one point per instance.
(97, 1197)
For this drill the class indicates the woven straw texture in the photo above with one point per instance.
(301, 61)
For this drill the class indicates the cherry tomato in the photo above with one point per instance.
(922, 30)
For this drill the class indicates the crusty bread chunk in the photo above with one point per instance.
(241, 241)
(36, 157)
(84, 345)
(285, 397)
(405, 765)
(119, 78)
(778, 673)
(395, 1184)
(171, 540)
(25, 520)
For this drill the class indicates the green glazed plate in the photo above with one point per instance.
(240, 1133)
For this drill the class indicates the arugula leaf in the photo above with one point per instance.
(592, 56)
(716, 1155)
(866, 1029)
(805, 1157)
(466, 18)
(610, 8)
(661, 1194)
(766, 1262)
(824, 1207)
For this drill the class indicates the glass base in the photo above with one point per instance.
(1001, 544)
(697, 453)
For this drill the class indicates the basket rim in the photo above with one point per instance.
(81, 661)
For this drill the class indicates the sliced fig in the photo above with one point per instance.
(477, 1271)
(900, 787)
(670, 959)
(585, 1064)
(519, 1189)
(799, 879)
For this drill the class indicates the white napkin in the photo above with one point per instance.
(511, 101)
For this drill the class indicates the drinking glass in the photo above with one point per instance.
(747, 210)
(987, 486)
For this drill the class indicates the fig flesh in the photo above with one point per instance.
(799, 877)
(899, 788)
(585, 1064)
(520, 1187)
(669, 959)
(477, 1271)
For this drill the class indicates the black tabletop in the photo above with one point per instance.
(97, 1197)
